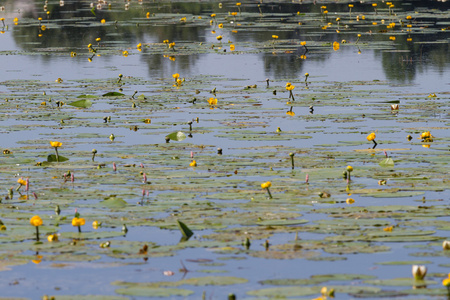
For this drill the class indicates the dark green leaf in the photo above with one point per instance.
(85, 103)
(114, 94)
(52, 158)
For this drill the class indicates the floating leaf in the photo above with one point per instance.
(87, 96)
(114, 202)
(145, 291)
(86, 103)
(281, 222)
(113, 94)
(399, 282)
(387, 162)
(52, 158)
(176, 136)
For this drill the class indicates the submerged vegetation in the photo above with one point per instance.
(256, 177)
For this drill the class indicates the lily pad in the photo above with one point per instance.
(154, 291)
(113, 94)
(114, 202)
(176, 136)
(52, 158)
(86, 103)
(387, 162)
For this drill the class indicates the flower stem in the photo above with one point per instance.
(375, 144)
(268, 191)
(79, 229)
(37, 233)
(57, 156)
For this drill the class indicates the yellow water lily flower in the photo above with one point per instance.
(425, 135)
(36, 221)
(371, 137)
(78, 221)
(289, 86)
(103, 21)
(274, 36)
(52, 238)
(232, 47)
(336, 46)
(350, 201)
(219, 37)
(193, 164)
(55, 144)
(212, 101)
(125, 53)
(21, 181)
(266, 185)
(349, 168)
(446, 282)
(96, 224)
(388, 228)
(290, 113)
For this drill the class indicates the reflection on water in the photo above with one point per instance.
(73, 26)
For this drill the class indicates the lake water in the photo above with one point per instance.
(348, 246)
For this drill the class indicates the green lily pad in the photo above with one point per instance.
(114, 202)
(86, 103)
(299, 291)
(387, 162)
(407, 263)
(113, 94)
(153, 291)
(281, 222)
(176, 136)
(87, 96)
(52, 158)
(399, 282)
